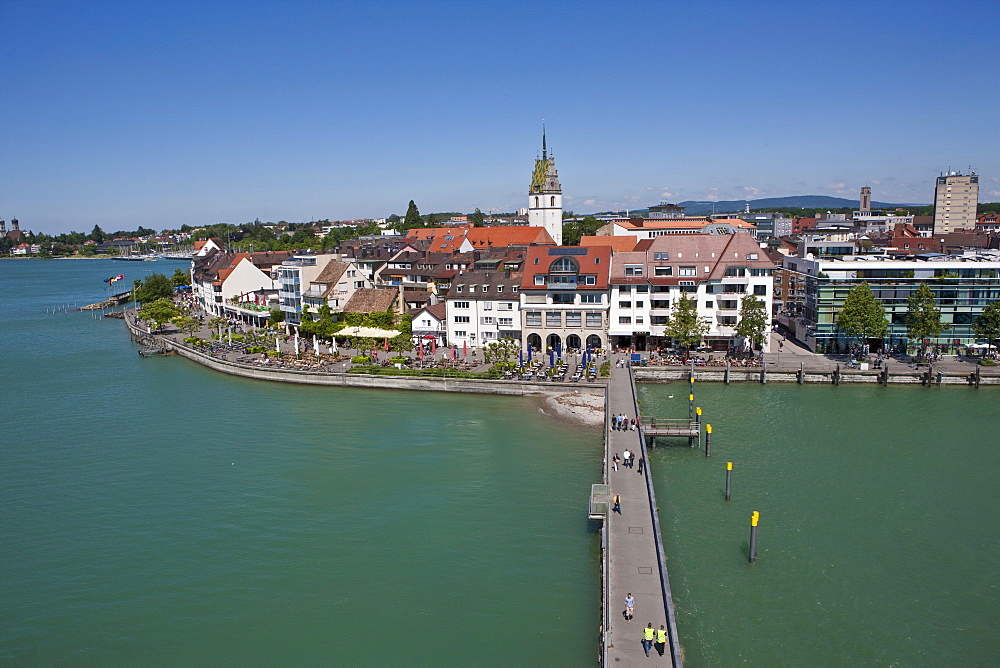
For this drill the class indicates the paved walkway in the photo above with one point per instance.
(632, 548)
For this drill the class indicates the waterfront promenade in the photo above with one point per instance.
(636, 563)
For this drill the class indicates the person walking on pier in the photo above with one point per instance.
(615, 460)
(647, 638)
(628, 458)
(618, 504)
(641, 460)
(629, 608)
(661, 640)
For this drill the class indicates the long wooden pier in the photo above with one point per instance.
(633, 561)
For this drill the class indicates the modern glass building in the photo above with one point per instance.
(962, 286)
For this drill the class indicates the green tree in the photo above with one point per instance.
(97, 234)
(683, 324)
(412, 219)
(276, 318)
(156, 286)
(862, 315)
(573, 230)
(987, 324)
(159, 311)
(500, 351)
(477, 218)
(923, 317)
(180, 278)
(753, 321)
(185, 324)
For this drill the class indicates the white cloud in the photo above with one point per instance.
(589, 202)
(666, 194)
(712, 195)
(752, 192)
(876, 183)
(836, 186)
(995, 193)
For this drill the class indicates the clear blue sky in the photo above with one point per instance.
(170, 113)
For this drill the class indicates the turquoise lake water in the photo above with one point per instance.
(156, 512)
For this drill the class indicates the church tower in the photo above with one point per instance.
(545, 196)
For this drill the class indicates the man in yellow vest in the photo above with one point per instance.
(661, 639)
(647, 638)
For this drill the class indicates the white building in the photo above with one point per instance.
(483, 306)
(956, 198)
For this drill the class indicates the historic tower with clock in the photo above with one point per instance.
(545, 196)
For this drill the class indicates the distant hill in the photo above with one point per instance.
(694, 208)
(702, 208)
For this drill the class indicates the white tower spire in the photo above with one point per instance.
(545, 195)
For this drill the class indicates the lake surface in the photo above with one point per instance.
(878, 540)
(156, 512)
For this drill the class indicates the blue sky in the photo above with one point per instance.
(170, 113)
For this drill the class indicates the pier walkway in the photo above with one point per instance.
(634, 552)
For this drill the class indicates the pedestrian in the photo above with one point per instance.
(621, 422)
(618, 504)
(641, 461)
(628, 458)
(647, 638)
(661, 640)
(629, 608)
(615, 461)
(632, 423)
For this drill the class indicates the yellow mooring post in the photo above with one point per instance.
(729, 480)
(754, 519)
(697, 422)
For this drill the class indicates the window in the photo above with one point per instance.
(539, 279)
(461, 304)
(552, 201)
(461, 319)
(487, 306)
(486, 288)
(536, 260)
(351, 273)
(359, 284)
(624, 304)
(574, 318)
(639, 304)
(533, 318)
(505, 322)
(590, 280)
(633, 270)
(505, 306)
(514, 288)
(624, 320)
(727, 320)
(460, 333)
(487, 320)
(658, 320)
(499, 288)
(727, 304)
(489, 335)
(760, 290)
(591, 299)
(460, 287)
(638, 319)
(563, 265)
(595, 319)
(688, 271)
(708, 304)
(660, 303)
(642, 288)
(563, 298)
(553, 318)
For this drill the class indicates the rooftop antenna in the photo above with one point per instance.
(545, 155)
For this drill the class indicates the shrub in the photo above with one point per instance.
(256, 349)
(238, 337)
(361, 359)
(988, 362)
(193, 340)
(605, 369)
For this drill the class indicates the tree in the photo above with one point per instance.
(159, 311)
(923, 317)
(753, 321)
(987, 324)
(862, 315)
(683, 324)
(185, 324)
(276, 318)
(97, 234)
(573, 230)
(477, 219)
(500, 351)
(412, 219)
(180, 278)
(156, 286)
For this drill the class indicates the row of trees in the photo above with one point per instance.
(863, 316)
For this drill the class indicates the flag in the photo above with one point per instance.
(119, 277)
(109, 280)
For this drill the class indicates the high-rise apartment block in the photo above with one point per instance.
(956, 197)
